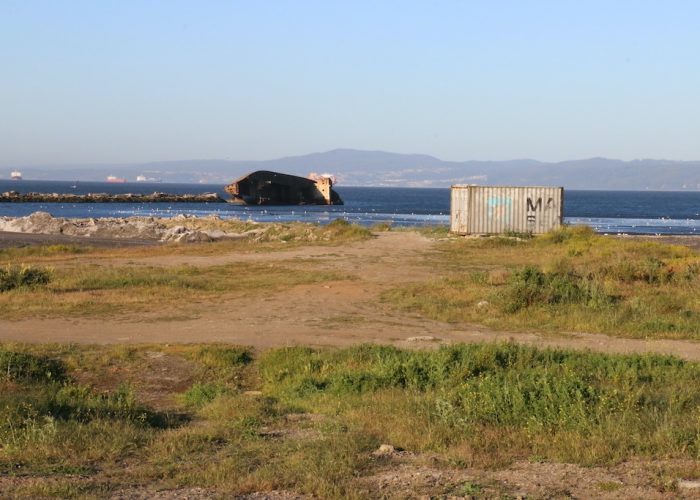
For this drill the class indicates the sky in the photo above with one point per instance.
(134, 81)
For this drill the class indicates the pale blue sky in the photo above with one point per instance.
(129, 81)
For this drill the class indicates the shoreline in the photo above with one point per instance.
(156, 197)
(41, 228)
(179, 229)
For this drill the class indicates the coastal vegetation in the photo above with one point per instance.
(570, 280)
(93, 420)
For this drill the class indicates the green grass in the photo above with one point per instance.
(579, 407)
(568, 280)
(475, 405)
(51, 424)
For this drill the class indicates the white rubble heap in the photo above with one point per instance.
(142, 228)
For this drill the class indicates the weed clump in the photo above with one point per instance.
(568, 233)
(342, 230)
(649, 270)
(13, 276)
(519, 235)
(381, 227)
(223, 356)
(24, 367)
(202, 393)
(530, 286)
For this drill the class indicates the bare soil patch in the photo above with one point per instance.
(409, 476)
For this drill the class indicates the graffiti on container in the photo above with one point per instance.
(534, 207)
(499, 208)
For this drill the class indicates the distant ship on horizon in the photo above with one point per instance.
(16, 175)
(115, 179)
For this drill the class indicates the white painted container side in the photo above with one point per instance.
(501, 209)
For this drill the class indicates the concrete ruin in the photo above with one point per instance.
(272, 188)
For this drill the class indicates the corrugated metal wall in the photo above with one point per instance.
(499, 209)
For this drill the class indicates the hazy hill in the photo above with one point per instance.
(379, 168)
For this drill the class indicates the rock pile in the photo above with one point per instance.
(157, 197)
(141, 228)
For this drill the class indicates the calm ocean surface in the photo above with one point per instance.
(649, 212)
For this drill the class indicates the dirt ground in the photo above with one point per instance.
(324, 314)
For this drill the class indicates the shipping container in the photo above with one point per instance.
(502, 209)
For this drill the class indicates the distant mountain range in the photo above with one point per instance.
(378, 168)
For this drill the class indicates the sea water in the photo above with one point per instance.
(641, 212)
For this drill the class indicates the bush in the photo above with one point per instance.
(215, 356)
(648, 270)
(12, 277)
(341, 229)
(202, 393)
(23, 367)
(567, 233)
(530, 286)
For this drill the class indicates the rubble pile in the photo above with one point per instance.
(157, 197)
(141, 228)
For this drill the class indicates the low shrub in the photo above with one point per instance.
(530, 286)
(202, 393)
(381, 227)
(342, 230)
(567, 233)
(225, 365)
(648, 270)
(223, 356)
(13, 276)
(519, 235)
(23, 367)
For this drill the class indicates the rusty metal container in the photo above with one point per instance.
(501, 209)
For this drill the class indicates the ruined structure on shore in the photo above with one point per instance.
(16, 197)
(272, 188)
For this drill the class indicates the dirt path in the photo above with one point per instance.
(326, 314)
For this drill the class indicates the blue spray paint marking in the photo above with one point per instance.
(499, 208)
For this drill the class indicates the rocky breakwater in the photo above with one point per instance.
(182, 229)
(17, 197)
